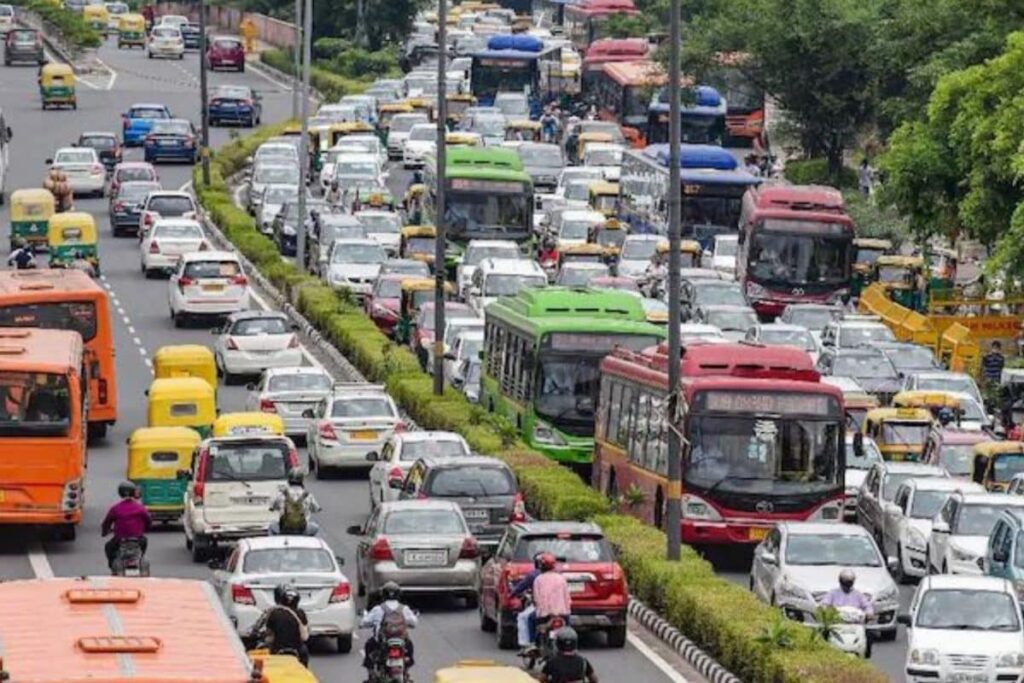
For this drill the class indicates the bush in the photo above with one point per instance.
(331, 86)
(329, 48)
(76, 32)
(815, 172)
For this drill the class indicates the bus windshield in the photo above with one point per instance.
(34, 404)
(479, 214)
(79, 316)
(488, 78)
(800, 259)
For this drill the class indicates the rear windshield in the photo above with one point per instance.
(287, 561)
(135, 173)
(362, 407)
(414, 450)
(203, 269)
(226, 44)
(79, 316)
(248, 461)
(178, 231)
(171, 206)
(424, 522)
(98, 141)
(24, 36)
(472, 480)
(256, 326)
(300, 382)
(565, 547)
(148, 112)
(135, 193)
(172, 128)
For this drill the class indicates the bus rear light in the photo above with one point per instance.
(101, 391)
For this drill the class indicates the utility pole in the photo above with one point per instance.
(441, 243)
(296, 56)
(300, 229)
(675, 450)
(204, 149)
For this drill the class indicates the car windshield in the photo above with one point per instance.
(489, 125)
(603, 157)
(580, 191)
(403, 123)
(266, 152)
(172, 128)
(304, 381)
(476, 253)
(1007, 465)
(285, 175)
(801, 339)
(437, 448)
(379, 224)
(638, 250)
(362, 407)
(133, 193)
(962, 610)
(731, 320)
(905, 433)
(957, 459)
(579, 275)
(178, 231)
(566, 547)
(98, 141)
(866, 459)
(976, 519)
(165, 32)
(811, 318)
(713, 293)
(75, 156)
(510, 285)
(248, 460)
(423, 522)
(252, 327)
(212, 269)
(863, 366)
(288, 561)
(950, 383)
(452, 310)
(575, 229)
(225, 44)
(359, 253)
(726, 248)
(388, 288)
(927, 503)
(34, 404)
(148, 113)
(911, 356)
(279, 195)
(472, 480)
(831, 549)
(167, 206)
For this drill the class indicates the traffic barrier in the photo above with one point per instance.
(724, 620)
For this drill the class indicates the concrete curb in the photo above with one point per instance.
(686, 648)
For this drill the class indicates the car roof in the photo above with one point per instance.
(516, 266)
(843, 322)
(728, 308)
(783, 327)
(860, 350)
(427, 435)
(989, 498)
(253, 315)
(426, 504)
(843, 383)
(938, 374)
(358, 390)
(966, 582)
(491, 243)
(943, 484)
(97, 134)
(583, 213)
(296, 370)
(823, 529)
(170, 193)
(277, 542)
(890, 467)
(434, 462)
(356, 241)
(545, 528)
(211, 256)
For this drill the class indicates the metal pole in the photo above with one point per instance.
(204, 150)
(300, 229)
(441, 244)
(296, 55)
(672, 502)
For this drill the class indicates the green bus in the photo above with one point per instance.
(488, 196)
(541, 363)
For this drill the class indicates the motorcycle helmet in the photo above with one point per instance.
(846, 579)
(296, 476)
(390, 591)
(126, 489)
(281, 594)
(545, 562)
(566, 640)
(291, 598)
(945, 416)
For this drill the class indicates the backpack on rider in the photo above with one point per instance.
(293, 515)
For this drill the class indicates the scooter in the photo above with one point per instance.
(849, 634)
(130, 559)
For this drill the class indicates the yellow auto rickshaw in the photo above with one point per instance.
(690, 253)
(866, 252)
(523, 130)
(31, 209)
(458, 103)
(387, 111)
(181, 402)
(155, 457)
(942, 264)
(580, 253)
(902, 277)
(462, 139)
(933, 401)
(481, 671)
(97, 16)
(589, 138)
(604, 198)
(418, 243)
(247, 423)
(281, 668)
(900, 433)
(71, 236)
(57, 86)
(131, 30)
(996, 462)
(185, 360)
(339, 131)
(421, 105)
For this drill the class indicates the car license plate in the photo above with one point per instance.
(757, 533)
(969, 678)
(364, 435)
(213, 288)
(425, 558)
(577, 587)
(475, 514)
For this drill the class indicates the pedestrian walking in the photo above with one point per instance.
(864, 174)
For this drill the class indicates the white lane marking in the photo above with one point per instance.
(37, 560)
(656, 659)
(131, 328)
(266, 76)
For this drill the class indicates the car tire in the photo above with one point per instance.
(179, 320)
(472, 600)
(617, 636)
(241, 69)
(97, 431)
(344, 644)
(148, 273)
(507, 638)
(360, 589)
(487, 624)
(899, 575)
(200, 549)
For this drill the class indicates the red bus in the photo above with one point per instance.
(606, 50)
(583, 21)
(623, 91)
(745, 100)
(763, 439)
(795, 246)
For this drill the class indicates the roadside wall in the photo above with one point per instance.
(273, 32)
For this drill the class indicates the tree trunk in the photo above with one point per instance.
(834, 154)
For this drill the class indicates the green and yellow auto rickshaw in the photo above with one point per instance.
(97, 17)
(418, 243)
(31, 209)
(71, 236)
(902, 277)
(867, 250)
(131, 31)
(57, 86)
(610, 236)
(182, 402)
(155, 457)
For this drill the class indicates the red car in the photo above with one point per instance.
(596, 581)
(225, 52)
(383, 302)
(130, 171)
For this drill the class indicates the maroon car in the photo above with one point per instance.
(225, 52)
(383, 302)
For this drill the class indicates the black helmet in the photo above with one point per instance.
(291, 598)
(390, 591)
(281, 592)
(296, 476)
(126, 489)
(566, 640)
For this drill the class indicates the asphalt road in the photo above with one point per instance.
(447, 632)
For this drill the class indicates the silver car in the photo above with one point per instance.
(424, 546)
(289, 392)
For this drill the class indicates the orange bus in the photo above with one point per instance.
(68, 299)
(623, 91)
(43, 375)
(116, 629)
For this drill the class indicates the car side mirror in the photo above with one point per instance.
(940, 528)
(10, 133)
(294, 327)
(308, 414)
(903, 619)
(372, 456)
(892, 563)
(1000, 556)
(769, 558)
(355, 530)
(49, 162)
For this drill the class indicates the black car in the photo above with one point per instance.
(107, 147)
(126, 206)
(191, 35)
(286, 223)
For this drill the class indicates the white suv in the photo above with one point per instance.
(207, 283)
(961, 529)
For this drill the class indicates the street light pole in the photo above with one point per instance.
(300, 229)
(441, 243)
(296, 56)
(672, 516)
(204, 149)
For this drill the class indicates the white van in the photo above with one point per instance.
(496, 277)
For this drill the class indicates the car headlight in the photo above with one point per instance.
(929, 657)
(961, 555)
(695, 508)
(755, 291)
(794, 592)
(828, 512)
(1010, 659)
(888, 594)
(544, 434)
(916, 540)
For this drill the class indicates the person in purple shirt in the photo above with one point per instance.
(846, 596)
(128, 518)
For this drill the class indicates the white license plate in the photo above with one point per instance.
(251, 500)
(576, 587)
(475, 514)
(425, 558)
(969, 678)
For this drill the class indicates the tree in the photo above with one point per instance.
(627, 26)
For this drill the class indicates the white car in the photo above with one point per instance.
(290, 392)
(573, 226)
(207, 283)
(453, 327)
(422, 141)
(579, 273)
(396, 457)
(383, 226)
(943, 380)
(781, 334)
(964, 628)
(398, 131)
(733, 321)
(908, 520)
(253, 341)
(353, 421)
(723, 254)
(798, 563)
(281, 152)
(478, 250)
(86, 174)
(636, 254)
(165, 41)
(496, 277)
(857, 467)
(275, 195)
(467, 345)
(605, 156)
(880, 486)
(6, 19)
(165, 204)
(847, 333)
(961, 529)
(258, 565)
(354, 264)
(166, 241)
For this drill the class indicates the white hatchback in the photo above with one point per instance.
(168, 239)
(166, 41)
(253, 341)
(396, 458)
(207, 283)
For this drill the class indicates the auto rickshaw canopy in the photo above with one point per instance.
(988, 455)
(185, 360)
(182, 402)
(150, 451)
(56, 70)
(72, 228)
(32, 203)
(481, 671)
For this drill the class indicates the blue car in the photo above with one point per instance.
(138, 120)
(172, 140)
(237, 104)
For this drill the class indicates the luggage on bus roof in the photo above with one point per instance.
(515, 42)
(695, 156)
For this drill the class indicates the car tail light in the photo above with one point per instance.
(240, 280)
(124, 121)
(231, 344)
(470, 550)
(341, 593)
(184, 282)
(154, 247)
(102, 390)
(98, 168)
(518, 509)
(381, 550)
(267, 406)
(293, 458)
(189, 141)
(199, 484)
(241, 595)
(147, 219)
(400, 426)
(118, 206)
(294, 342)
(421, 495)
(326, 431)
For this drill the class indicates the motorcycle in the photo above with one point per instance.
(535, 657)
(390, 662)
(130, 559)
(848, 633)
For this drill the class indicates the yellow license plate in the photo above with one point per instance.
(757, 533)
(213, 288)
(3, 495)
(364, 436)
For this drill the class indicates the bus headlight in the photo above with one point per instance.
(755, 291)
(828, 512)
(544, 434)
(696, 508)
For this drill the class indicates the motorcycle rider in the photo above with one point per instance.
(296, 506)
(946, 416)
(524, 620)
(568, 666)
(847, 596)
(126, 519)
(286, 625)
(548, 251)
(390, 606)
(334, 194)
(551, 596)
(22, 257)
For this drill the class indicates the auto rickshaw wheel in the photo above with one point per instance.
(97, 430)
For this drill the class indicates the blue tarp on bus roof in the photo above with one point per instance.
(520, 43)
(709, 176)
(706, 100)
(695, 156)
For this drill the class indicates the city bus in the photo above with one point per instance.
(795, 246)
(623, 92)
(607, 50)
(745, 119)
(582, 21)
(542, 351)
(43, 399)
(763, 439)
(702, 113)
(712, 192)
(488, 195)
(68, 299)
(519, 64)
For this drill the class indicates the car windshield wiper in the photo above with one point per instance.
(729, 477)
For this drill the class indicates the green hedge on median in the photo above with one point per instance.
(331, 85)
(748, 637)
(77, 33)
